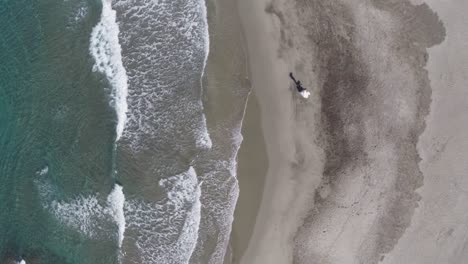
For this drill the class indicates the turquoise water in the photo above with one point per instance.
(91, 93)
(55, 117)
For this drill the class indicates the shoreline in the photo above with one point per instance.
(224, 96)
(251, 172)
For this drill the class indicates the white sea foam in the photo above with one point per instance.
(106, 50)
(205, 137)
(116, 201)
(206, 34)
(79, 11)
(21, 262)
(86, 214)
(43, 171)
(164, 231)
(203, 140)
(166, 46)
(80, 14)
(219, 199)
(167, 231)
(82, 213)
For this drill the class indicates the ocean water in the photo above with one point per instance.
(104, 145)
(56, 132)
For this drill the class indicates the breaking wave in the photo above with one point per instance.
(165, 47)
(116, 201)
(83, 213)
(167, 231)
(89, 215)
(106, 51)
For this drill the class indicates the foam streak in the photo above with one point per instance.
(171, 236)
(106, 50)
(116, 201)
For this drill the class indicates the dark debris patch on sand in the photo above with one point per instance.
(352, 96)
(420, 29)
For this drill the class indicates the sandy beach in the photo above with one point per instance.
(371, 167)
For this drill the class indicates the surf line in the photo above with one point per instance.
(107, 53)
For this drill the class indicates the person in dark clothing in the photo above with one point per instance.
(297, 83)
(302, 91)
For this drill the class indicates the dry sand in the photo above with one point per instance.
(289, 132)
(438, 232)
(372, 168)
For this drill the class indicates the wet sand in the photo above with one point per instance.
(252, 167)
(225, 93)
(375, 160)
(288, 124)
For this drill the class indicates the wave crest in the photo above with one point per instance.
(106, 51)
